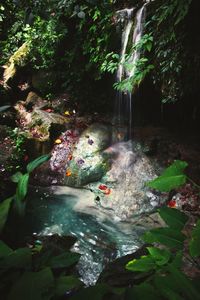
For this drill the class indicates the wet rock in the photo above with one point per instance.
(116, 275)
(126, 192)
(88, 164)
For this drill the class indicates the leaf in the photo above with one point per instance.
(66, 283)
(22, 188)
(161, 256)
(166, 286)
(33, 286)
(96, 292)
(194, 245)
(144, 291)
(166, 236)
(182, 283)
(149, 46)
(64, 260)
(16, 177)
(171, 178)
(37, 162)
(166, 184)
(4, 250)
(143, 264)
(4, 210)
(173, 217)
(20, 258)
(176, 168)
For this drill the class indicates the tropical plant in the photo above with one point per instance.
(18, 199)
(173, 177)
(39, 272)
(163, 263)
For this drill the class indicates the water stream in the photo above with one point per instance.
(132, 30)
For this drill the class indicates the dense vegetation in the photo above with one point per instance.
(74, 38)
(55, 47)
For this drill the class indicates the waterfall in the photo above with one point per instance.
(123, 106)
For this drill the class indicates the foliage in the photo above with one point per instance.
(18, 200)
(30, 273)
(162, 266)
(195, 241)
(168, 30)
(171, 178)
(69, 37)
(140, 68)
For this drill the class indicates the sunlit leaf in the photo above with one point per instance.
(37, 162)
(161, 256)
(171, 178)
(143, 264)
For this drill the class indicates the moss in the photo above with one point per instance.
(17, 60)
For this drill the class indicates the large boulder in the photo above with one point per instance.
(35, 118)
(88, 163)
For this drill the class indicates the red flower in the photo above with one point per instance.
(172, 203)
(103, 187)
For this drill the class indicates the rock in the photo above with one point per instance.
(125, 189)
(88, 164)
(33, 100)
(17, 60)
(43, 80)
(35, 123)
(116, 275)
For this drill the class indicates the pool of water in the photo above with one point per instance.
(100, 240)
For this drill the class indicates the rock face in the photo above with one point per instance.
(35, 118)
(88, 163)
(17, 60)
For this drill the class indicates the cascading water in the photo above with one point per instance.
(123, 110)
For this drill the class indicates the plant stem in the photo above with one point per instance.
(195, 184)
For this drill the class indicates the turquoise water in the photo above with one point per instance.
(99, 241)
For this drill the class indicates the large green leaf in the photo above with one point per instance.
(144, 291)
(37, 162)
(64, 260)
(176, 281)
(4, 250)
(166, 184)
(4, 210)
(22, 187)
(161, 256)
(20, 258)
(173, 217)
(165, 236)
(33, 286)
(194, 245)
(171, 178)
(96, 292)
(176, 168)
(143, 264)
(66, 283)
